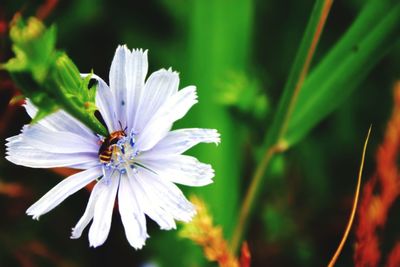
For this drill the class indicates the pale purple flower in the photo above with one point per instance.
(144, 164)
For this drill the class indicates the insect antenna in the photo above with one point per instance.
(122, 128)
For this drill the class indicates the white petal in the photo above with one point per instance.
(159, 87)
(21, 153)
(103, 209)
(131, 213)
(149, 203)
(105, 102)
(136, 71)
(118, 81)
(57, 142)
(61, 121)
(172, 110)
(87, 216)
(30, 108)
(63, 190)
(178, 141)
(168, 196)
(181, 169)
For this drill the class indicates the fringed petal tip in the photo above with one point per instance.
(167, 73)
(140, 242)
(136, 51)
(31, 211)
(33, 214)
(137, 245)
(74, 234)
(170, 70)
(173, 227)
(140, 51)
(94, 245)
(189, 217)
(96, 239)
(188, 214)
(215, 137)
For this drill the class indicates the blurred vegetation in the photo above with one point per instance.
(240, 55)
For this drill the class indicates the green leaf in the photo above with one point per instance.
(49, 77)
(370, 37)
(298, 71)
(33, 45)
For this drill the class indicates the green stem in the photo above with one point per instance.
(250, 197)
(78, 112)
(85, 118)
(292, 88)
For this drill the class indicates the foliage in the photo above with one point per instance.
(291, 86)
(47, 76)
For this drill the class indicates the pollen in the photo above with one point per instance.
(118, 152)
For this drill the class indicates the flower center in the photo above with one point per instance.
(118, 152)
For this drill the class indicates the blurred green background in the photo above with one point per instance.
(238, 53)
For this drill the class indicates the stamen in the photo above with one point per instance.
(132, 138)
(120, 145)
(124, 154)
(135, 170)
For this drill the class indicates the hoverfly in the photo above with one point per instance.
(108, 145)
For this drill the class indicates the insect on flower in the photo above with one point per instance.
(109, 145)
(138, 165)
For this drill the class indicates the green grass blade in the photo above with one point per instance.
(344, 67)
(299, 70)
(292, 88)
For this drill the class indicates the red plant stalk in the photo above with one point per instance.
(379, 194)
(394, 257)
(46, 8)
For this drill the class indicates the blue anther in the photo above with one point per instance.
(132, 141)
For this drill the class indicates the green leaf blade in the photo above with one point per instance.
(299, 70)
(351, 61)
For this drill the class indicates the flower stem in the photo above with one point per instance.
(250, 198)
(85, 118)
(275, 140)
